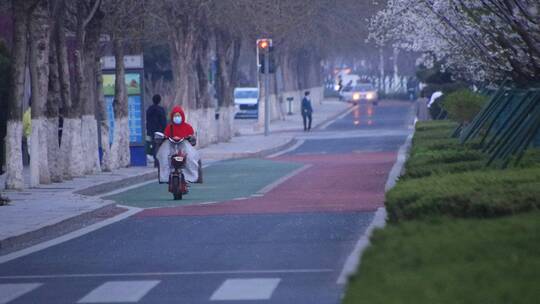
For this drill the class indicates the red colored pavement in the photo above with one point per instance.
(334, 183)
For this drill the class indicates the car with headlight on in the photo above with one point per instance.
(246, 102)
(359, 92)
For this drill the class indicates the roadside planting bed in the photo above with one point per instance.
(458, 231)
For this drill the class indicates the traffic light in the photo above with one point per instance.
(263, 44)
(264, 47)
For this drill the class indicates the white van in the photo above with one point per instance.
(246, 102)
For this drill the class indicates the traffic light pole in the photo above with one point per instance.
(266, 94)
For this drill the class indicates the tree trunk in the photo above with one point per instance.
(382, 81)
(88, 98)
(103, 120)
(228, 54)
(39, 75)
(14, 165)
(180, 53)
(52, 114)
(120, 153)
(70, 147)
(395, 61)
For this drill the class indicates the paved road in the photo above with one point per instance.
(281, 237)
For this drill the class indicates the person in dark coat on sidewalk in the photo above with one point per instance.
(156, 121)
(307, 110)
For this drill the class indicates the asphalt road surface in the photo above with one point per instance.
(274, 230)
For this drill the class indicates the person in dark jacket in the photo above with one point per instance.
(156, 121)
(307, 110)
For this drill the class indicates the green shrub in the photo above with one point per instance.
(487, 193)
(427, 126)
(443, 168)
(3, 200)
(463, 105)
(449, 261)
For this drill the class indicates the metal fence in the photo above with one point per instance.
(507, 125)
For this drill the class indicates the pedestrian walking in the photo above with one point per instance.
(307, 110)
(156, 121)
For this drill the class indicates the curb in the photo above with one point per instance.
(379, 219)
(115, 185)
(43, 232)
(316, 126)
(291, 142)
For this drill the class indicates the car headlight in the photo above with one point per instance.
(356, 96)
(370, 95)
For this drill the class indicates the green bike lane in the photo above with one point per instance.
(223, 181)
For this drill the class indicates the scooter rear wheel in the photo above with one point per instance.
(176, 187)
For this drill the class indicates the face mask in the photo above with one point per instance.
(177, 120)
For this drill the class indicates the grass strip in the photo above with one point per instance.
(442, 260)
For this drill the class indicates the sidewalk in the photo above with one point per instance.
(31, 211)
(329, 109)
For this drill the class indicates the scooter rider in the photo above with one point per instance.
(179, 127)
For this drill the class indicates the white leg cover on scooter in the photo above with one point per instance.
(191, 171)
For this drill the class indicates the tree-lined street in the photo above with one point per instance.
(269, 151)
(287, 244)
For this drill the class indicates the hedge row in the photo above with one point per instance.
(483, 194)
(444, 177)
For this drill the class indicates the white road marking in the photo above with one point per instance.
(246, 289)
(176, 273)
(357, 134)
(326, 125)
(9, 292)
(75, 234)
(124, 189)
(294, 147)
(119, 292)
(280, 181)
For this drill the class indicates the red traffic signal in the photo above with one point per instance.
(263, 44)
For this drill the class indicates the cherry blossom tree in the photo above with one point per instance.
(477, 39)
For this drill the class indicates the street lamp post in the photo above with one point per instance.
(264, 47)
(266, 94)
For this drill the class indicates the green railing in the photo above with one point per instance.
(507, 125)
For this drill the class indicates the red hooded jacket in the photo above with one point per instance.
(183, 129)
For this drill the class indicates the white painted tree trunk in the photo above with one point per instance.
(53, 149)
(226, 123)
(120, 154)
(14, 166)
(37, 144)
(65, 149)
(105, 148)
(39, 75)
(90, 144)
(72, 148)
